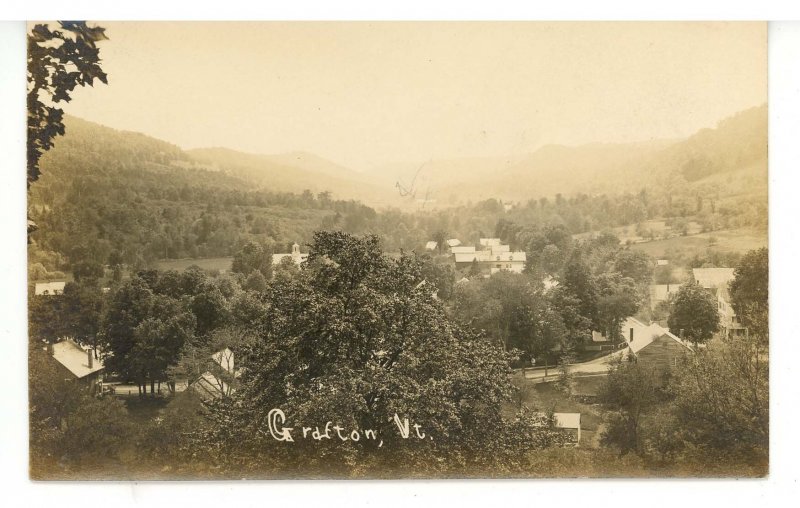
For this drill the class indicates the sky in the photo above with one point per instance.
(365, 95)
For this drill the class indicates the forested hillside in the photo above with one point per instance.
(116, 198)
(110, 198)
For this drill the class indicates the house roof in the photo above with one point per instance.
(453, 242)
(713, 277)
(75, 358)
(431, 245)
(662, 262)
(49, 288)
(224, 359)
(644, 335)
(489, 241)
(463, 249)
(567, 420)
(210, 386)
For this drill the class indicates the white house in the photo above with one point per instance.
(717, 281)
(296, 256)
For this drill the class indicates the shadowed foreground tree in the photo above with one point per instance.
(354, 339)
(722, 398)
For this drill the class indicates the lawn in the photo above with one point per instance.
(733, 240)
(548, 397)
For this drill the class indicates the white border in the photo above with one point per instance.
(779, 489)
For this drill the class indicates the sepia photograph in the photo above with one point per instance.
(329, 250)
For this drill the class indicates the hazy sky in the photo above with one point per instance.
(366, 94)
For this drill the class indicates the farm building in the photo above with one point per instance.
(653, 344)
(78, 364)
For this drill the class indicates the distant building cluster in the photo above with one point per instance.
(490, 257)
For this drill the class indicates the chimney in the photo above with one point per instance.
(631, 333)
(50, 349)
(90, 358)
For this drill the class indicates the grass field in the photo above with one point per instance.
(221, 264)
(734, 240)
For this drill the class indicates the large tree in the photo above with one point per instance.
(693, 312)
(58, 61)
(749, 292)
(354, 339)
(617, 299)
(722, 398)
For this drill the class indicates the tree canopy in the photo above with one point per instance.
(693, 313)
(58, 61)
(354, 339)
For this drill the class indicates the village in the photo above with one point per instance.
(648, 342)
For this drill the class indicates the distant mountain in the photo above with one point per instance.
(737, 145)
(732, 157)
(294, 172)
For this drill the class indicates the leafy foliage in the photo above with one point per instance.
(58, 61)
(749, 292)
(693, 312)
(354, 339)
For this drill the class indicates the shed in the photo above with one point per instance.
(569, 421)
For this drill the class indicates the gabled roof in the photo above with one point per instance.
(431, 245)
(567, 420)
(453, 242)
(224, 359)
(210, 386)
(463, 249)
(75, 359)
(644, 335)
(49, 288)
(713, 277)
